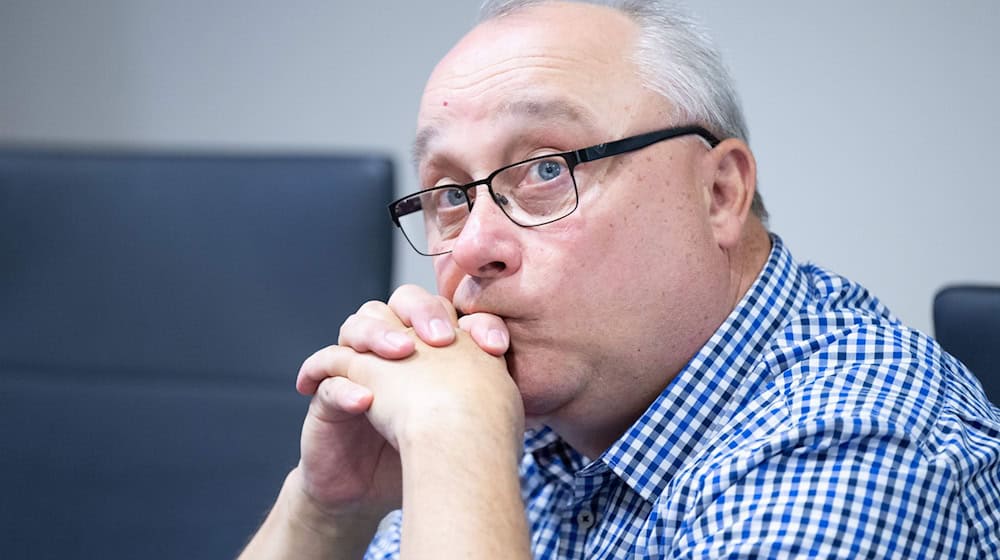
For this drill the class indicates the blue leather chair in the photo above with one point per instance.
(154, 310)
(967, 324)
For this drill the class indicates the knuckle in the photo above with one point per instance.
(406, 293)
(410, 289)
(346, 327)
(360, 332)
(429, 308)
(446, 304)
(372, 307)
(308, 363)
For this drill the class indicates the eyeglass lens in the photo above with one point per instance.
(530, 193)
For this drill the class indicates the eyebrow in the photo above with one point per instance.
(550, 110)
(420, 143)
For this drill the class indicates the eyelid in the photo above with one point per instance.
(437, 171)
(438, 178)
(444, 182)
(444, 174)
(540, 153)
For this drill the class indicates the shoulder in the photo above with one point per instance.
(858, 384)
(865, 424)
(844, 355)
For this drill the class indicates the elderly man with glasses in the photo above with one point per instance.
(623, 362)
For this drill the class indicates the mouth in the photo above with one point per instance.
(471, 296)
(471, 306)
(507, 319)
(470, 299)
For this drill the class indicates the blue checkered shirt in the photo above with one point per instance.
(812, 424)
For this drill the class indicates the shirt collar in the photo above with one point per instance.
(536, 439)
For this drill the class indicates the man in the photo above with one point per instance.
(606, 279)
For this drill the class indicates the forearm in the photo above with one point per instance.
(296, 528)
(462, 498)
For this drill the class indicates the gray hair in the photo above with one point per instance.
(675, 58)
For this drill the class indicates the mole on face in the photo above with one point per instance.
(444, 103)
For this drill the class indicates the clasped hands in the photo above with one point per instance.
(407, 378)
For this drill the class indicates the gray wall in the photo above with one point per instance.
(873, 122)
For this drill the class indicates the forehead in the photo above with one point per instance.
(555, 61)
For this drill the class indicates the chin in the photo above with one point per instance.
(544, 388)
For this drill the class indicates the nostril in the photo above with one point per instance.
(492, 268)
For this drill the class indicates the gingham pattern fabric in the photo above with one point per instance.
(813, 424)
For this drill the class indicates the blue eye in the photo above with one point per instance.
(548, 170)
(455, 197)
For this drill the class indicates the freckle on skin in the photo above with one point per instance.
(444, 104)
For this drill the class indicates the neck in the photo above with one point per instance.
(747, 259)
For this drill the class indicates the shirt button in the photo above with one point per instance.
(585, 519)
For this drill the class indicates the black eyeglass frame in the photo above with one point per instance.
(411, 202)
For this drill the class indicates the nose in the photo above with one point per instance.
(489, 243)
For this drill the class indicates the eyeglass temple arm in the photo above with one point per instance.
(633, 143)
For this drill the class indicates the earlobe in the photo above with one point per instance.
(732, 190)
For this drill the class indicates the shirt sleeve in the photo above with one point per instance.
(385, 545)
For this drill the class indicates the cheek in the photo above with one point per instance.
(447, 274)
(642, 245)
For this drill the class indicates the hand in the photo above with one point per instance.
(450, 389)
(350, 460)
(381, 328)
(455, 417)
(346, 468)
(345, 462)
(347, 479)
(350, 474)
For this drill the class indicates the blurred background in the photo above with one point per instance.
(874, 123)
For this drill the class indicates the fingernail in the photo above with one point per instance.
(496, 338)
(440, 330)
(397, 339)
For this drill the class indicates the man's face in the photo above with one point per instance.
(606, 304)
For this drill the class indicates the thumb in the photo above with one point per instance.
(338, 399)
(488, 331)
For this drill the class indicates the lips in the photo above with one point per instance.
(471, 297)
(506, 314)
(474, 295)
(464, 310)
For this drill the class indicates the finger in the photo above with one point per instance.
(488, 331)
(372, 333)
(432, 317)
(380, 310)
(332, 361)
(338, 399)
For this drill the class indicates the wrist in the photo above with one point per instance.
(298, 528)
(305, 513)
(319, 532)
(463, 475)
(448, 430)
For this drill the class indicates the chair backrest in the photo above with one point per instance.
(967, 324)
(154, 310)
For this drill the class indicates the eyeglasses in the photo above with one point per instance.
(531, 193)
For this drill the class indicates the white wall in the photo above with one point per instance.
(873, 122)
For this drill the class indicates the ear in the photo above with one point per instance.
(732, 172)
